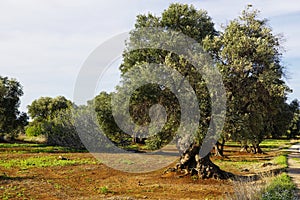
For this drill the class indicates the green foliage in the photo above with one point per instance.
(46, 107)
(12, 121)
(154, 142)
(283, 119)
(281, 187)
(187, 19)
(60, 130)
(248, 56)
(34, 129)
(52, 117)
(193, 23)
(102, 105)
(294, 126)
(246, 52)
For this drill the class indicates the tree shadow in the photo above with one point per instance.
(5, 177)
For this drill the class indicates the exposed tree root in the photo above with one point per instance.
(191, 163)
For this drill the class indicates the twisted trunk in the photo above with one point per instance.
(257, 149)
(191, 163)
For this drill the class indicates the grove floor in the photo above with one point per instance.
(294, 165)
(97, 181)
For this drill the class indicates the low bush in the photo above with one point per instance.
(281, 187)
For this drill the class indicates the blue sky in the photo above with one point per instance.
(43, 44)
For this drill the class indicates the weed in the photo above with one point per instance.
(281, 187)
(57, 186)
(104, 190)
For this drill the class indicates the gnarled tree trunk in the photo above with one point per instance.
(245, 148)
(191, 163)
(257, 149)
(219, 148)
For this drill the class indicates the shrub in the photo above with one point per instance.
(281, 187)
(61, 131)
(34, 130)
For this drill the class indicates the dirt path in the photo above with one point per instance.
(294, 165)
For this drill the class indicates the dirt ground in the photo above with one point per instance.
(97, 181)
(294, 165)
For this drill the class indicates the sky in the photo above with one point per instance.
(44, 43)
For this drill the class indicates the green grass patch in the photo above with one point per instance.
(13, 192)
(43, 161)
(281, 187)
(281, 160)
(233, 144)
(267, 144)
(35, 148)
(104, 190)
(275, 143)
(296, 159)
(226, 164)
(20, 145)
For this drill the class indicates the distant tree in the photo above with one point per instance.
(283, 118)
(46, 107)
(248, 55)
(102, 105)
(12, 121)
(294, 126)
(52, 117)
(60, 130)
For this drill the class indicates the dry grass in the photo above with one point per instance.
(250, 189)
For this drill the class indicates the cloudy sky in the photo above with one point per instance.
(43, 43)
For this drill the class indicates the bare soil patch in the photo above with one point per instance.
(97, 181)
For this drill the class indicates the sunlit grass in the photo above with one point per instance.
(234, 164)
(275, 143)
(281, 160)
(296, 159)
(43, 161)
(14, 145)
(34, 148)
(267, 144)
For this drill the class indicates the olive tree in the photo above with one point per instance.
(12, 120)
(248, 54)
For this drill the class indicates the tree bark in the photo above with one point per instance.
(191, 163)
(257, 149)
(245, 148)
(219, 148)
